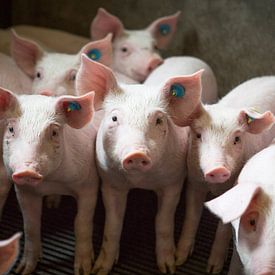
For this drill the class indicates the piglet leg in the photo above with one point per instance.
(31, 206)
(115, 204)
(5, 186)
(219, 248)
(168, 199)
(84, 254)
(194, 207)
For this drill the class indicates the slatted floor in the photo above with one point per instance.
(137, 242)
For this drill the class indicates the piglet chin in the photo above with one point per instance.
(28, 177)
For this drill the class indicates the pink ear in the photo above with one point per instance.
(25, 53)
(255, 122)
(9, 250)
(100, 50)
(93, 76)
(78, 111)
(8, 103)
(183, 94)
(233, 203)
(105, 23)
(163, 29)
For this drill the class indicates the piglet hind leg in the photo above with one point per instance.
(194, 206)
(84, 253)
(168, 199)
(219, 248)
(31, 206)
(115, 204)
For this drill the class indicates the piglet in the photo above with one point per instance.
(223, 136)
(55, 71)
(139, 146)
(250, 207)
(136, 52)
(13, 78)
(9, 250)
(185, 65)
(48, 148)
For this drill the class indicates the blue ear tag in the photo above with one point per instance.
(94, 54)
(72, 106)
(249, 119)
(164, 29)
(177, 90)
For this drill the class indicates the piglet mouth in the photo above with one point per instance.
(28, 177)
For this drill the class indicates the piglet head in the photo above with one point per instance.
(56, 71)
(217, 139)
(137, 128)
(33, 144)
(135, 52)
(250, 211)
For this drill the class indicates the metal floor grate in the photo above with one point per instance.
(137, 254)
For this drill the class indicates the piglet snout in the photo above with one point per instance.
(217, 175)
(153, 64)
(137, 161)
(27, 177)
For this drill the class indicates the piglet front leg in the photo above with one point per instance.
(168, 199)
(219, 248)
(115, 201)
(84, 253)
(5, 186)
(194, 207)
(31, 206)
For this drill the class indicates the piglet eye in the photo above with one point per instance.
(237, 139)
(124, 49)
(72, 76)
(114, 118)
(38, 75)
(198, 136)
(156, 48)
(11, 130)
(159, 121)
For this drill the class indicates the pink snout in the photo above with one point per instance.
(137, 161)
(153, 64)
(217, 175)
(27, 177)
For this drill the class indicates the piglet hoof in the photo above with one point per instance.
(104, 263)
(84, 259)
(166, 261)
(26, 266)
(53, 201)
(183, 252)
(215, 264)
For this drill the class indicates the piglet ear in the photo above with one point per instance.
(183, 94)
(163, 29)
(100, 50)
(93, 76)
(232, 204)
(105, 23)
(255, 122)
(78, 111)
(9, 250)
(9, 105)
(25, 53)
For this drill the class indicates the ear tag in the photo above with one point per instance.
(94, 54)
(177, 90)
(164, 29)
(73, 106)
(249, 119)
